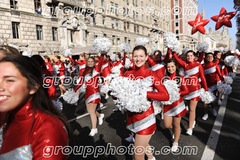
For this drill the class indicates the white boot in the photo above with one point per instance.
(205, 117)
(100, 119)
(93, 132)
(174, 147)
(130, 138)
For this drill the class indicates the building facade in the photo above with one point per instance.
(182, 12)
(50, 26)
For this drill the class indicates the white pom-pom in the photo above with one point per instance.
(228, 79)
(27, 53)
(207, 97)
(185, 50)
(131, 94)
(127, 63)
(113, 57)
(82, 89)
(157, 107)
(57, 104)
(125, 47)
(154, 48)
(67, 53)
(70, 96)
(116, 70)
(102, 45)
(141, 41)
(224, 88)
(203, 47)
(231, 61)
(14, 46)
(173, 91)
(170, 40)
(237, 52)
(231, 74)
(221, 49)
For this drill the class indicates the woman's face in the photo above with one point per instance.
(190, 57)
(171, 68)
(209, 58)
(139, 58)
(117, 58)
(90, 62)
(14, 90)
(218, 56)
(130, 56)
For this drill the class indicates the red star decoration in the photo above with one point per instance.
(198, 24)
(223, 18)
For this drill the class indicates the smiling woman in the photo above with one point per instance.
(32, 122)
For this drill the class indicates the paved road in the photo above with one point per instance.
(199, 146)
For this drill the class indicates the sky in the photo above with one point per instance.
(212, 8)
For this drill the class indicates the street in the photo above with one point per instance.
(217, 138)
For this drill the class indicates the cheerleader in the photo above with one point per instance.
(158, 65)
(33, 124)
(144, 124)
(90, 78)
(82, 63)
(212, 72)
(60, 73)
(48, 64)
(174, 112)
(193, 71)
(118, 66)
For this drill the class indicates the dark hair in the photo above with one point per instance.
(46, 57)
(8, 50)
(40, 100)
(58, 57)
(191, 51)
(140, 48)
(177, 71)
(92, 68)
(216, 52)
(119, 56)
(39, 60)
(158, 57)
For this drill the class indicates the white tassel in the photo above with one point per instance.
(116, 70)
(125, 47)
(102, 45)
(127, 63)
(231, 61)
(27, 53)
(173, 91)
(157, 107)
(57, 104)
(141, 41)
(231, 74)
(67, 53)
(170, 41)
(70, 96)
(113, 57)
(228, 79)
(224, 88)
(203, 47)
(207, 97)
(131, 94)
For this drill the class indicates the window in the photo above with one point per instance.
(15, 30)
(135, 28)
(116, 8)
(124, 11)
(176, 24)
(104, 35)
(72, 37)
(13, 4)
(136, 15)
(111, 6)
(117, 24)
(146, 8)
(39, 32)
(94, 20)
(125, 26)
(176, 16)
(142, 4)
(136, 3)
(37, 5)
(93, 1)
(113, 23)
(133, 15)
(55, 34)
(113, 39)
(103, 20)
(177, 31)
(128, 11)
(147, 19)
(128, 25)
(102, 4)
(125, 39)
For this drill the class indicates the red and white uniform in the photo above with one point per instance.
(30, 133)
(49, 83)
(201, 58)
(212, 74)
(61, 70)
(49, 67)
(178, 108)
(82, 65)
(193, 71)
(145, 123)
(91, 83)
(106, 70)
